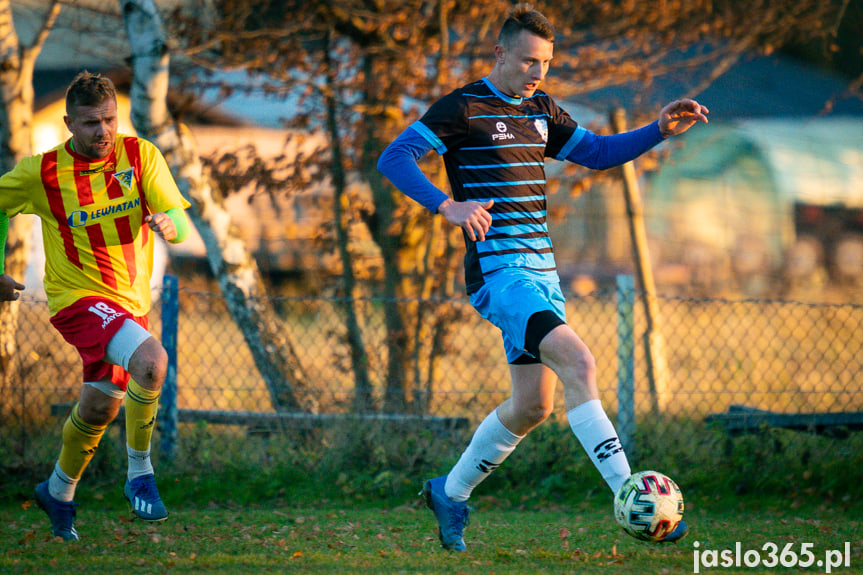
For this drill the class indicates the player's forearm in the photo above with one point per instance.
(603, 152)
(181, 224)
(4, 232)
(399, 164)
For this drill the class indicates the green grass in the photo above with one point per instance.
(344, 501)
(400, 537)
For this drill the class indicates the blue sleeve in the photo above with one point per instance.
(603, 152)
(399, 164)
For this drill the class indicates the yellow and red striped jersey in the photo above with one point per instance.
(92, 212)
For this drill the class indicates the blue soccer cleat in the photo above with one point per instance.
(144, 498)
(61, 513)
(679, 533)
(452, 516)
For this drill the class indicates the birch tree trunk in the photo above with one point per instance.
(16, 123)
(235, 269)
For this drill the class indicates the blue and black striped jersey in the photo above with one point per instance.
(494, 147)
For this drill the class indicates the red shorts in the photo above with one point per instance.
(89, 324)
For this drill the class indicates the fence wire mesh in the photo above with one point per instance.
(785, 357)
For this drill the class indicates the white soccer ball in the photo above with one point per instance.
(649, 505)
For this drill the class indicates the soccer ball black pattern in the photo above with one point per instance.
(649, 505)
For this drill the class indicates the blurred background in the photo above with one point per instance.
(312, 288)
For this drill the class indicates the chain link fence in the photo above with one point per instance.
(786, 358)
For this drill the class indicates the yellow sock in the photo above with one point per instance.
(141, 408)
(79, 444)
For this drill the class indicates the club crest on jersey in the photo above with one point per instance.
(541, 126)
(125, 178)
(502, 133)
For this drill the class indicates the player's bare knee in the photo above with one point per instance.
(153, 374)
(98, 413)
(585, 365)
(543, 412)
(581, 364)
(154, 377)
(149, 366)
(536, 413)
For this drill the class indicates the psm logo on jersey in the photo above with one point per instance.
(541, 126)
(125, 178)
(503, 134)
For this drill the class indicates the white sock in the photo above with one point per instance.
(596, 433)
(491, 444)
(61, 486)
(139, 463)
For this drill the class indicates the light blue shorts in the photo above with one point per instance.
(510, 296)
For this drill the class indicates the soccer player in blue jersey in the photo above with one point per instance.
(494, 136)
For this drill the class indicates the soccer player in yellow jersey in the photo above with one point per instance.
(102, 197)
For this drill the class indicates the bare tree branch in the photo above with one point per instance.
(31, 52)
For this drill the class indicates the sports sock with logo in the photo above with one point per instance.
(490, 446)
(80, 440)
(141, 408)
(594, 430)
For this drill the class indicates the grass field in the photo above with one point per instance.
(400, 537)
(341, 499)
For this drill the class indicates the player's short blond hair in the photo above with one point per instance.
(89, 90)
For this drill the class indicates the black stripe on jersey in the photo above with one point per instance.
(495, 148)
(518, 221)
(510, 207)
(547, 250)
(525, 236)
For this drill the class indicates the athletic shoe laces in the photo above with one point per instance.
(145, 488)
(64, 512)
(459, 518)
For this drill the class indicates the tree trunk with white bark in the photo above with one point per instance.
(232, 264)
(16, 123)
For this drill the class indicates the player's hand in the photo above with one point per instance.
(680, 115)
(162, 225)
(472, 217)
(9, 288)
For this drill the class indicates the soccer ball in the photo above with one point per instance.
(649, 505)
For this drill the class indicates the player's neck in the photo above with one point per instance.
(497, 81)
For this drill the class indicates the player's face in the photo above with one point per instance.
(524, 65)
(94, 129)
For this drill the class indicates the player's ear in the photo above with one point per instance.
(499, 53)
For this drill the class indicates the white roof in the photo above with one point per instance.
(818, 160)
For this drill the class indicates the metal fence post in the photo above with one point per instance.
(626, 363)
(168, 410)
